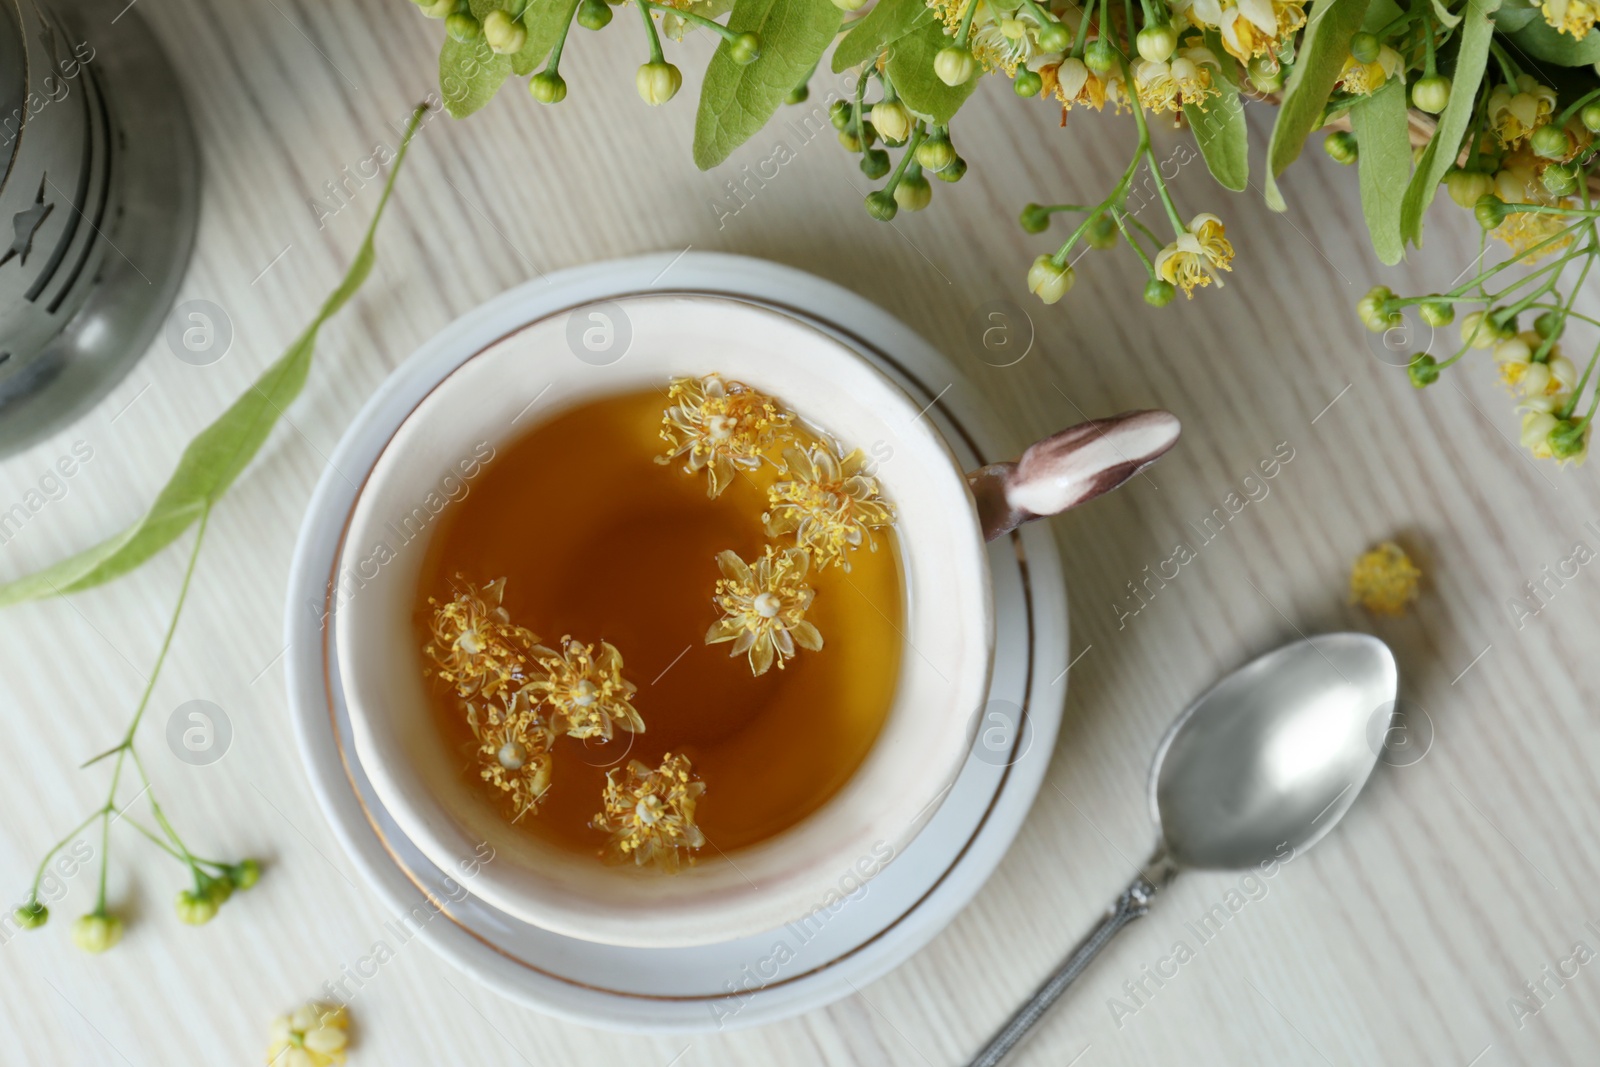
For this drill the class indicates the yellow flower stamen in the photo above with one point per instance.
(650, 813)
(719, 427)
(830, 504)
(764, 606)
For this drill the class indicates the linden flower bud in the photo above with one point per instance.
(438, 9)
(952, 173)
(1431, 93)
(31, 915)
(1157, 43)
(1479, 331)
(891, 119)
(881, 205)
(220, 889)
(954, 66)
(745, 49)
(1559, 179)
(502, 33)
(196, 909)
(658, 82)
(548, 87)
(96, 932)
(1053, 37)
(935, 154)
(1159, 293)
(1569, 440)
(1550, 324)
(1048, 280)
(1423, 370)
(849, 5)
(913, 193)
(1438, 313)
(1467, 187)
(463, 27)
(1027, 83)
(849, 141)
(1549, 142)
(798, 95)
(1365, 47)
(1341, 147)
(1102, 233)
(1372, 311)
(1034, 218)
(1099, 56)
(245, 874)
(875, 163)
(594, 14)
(1590, 116)
(1266, 74)
(1490, 210)
(839, 114)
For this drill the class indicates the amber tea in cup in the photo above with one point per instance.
(663, 622)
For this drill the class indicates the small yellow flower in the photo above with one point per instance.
(650, 813)
(1516, 111)
(585, 691)
(1192, 260)
(1248, 28)
(476, 648)
(1364, 79)
(1075, 85)
(831, 505)
(1384, 580)
(1517, 182)
(313, 1035)
(1187, 78)
(719, 427)
(1526, 378)
(1536, 427)
(1576, 17)
(513, 751)
(764, 607)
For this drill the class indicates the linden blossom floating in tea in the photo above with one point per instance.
(648, 566)
(829, 503)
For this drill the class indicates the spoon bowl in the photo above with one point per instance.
(1273, 754)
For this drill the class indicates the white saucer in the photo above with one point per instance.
(787, 971)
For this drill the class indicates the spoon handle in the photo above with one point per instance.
(1133, 903)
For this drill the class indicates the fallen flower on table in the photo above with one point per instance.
(313, 1035)
(1384, 580)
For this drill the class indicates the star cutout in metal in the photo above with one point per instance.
(24, 225)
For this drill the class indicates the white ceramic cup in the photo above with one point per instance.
(639, 343)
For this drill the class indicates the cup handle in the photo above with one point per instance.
(1066, 469)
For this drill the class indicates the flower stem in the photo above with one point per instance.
(688, 16)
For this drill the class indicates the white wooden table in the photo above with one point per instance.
(1397, 941)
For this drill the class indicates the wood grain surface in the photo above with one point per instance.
(1398, 940)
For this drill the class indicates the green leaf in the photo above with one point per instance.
(737, 101)
(1221, 132)
(218, 454)
(545, 21)
(910, 68)
(1383, 135)
(469, 75)
(886, 23)
(1380, 13)
(1515, 14)
(1543, 41)
(1323, 50)
(1472, 56)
